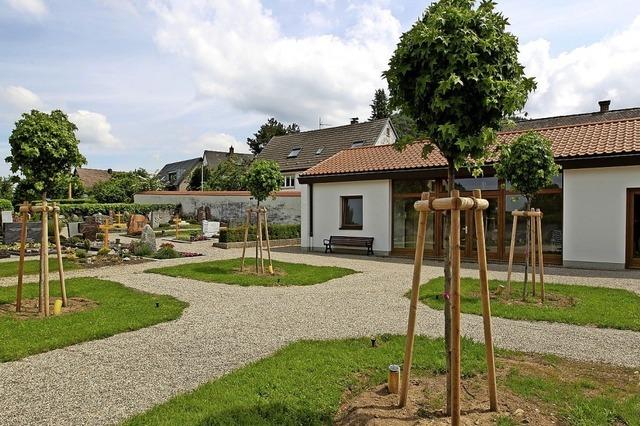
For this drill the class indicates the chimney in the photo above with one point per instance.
(231, 150)
(110, 171)
(354, 120)
(604, 105)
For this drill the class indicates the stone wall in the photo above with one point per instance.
(227, 206)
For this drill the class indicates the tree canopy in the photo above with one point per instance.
(380, 105)
(229, 175)
(456, 72)
(268, 130)
(263, 178)
(44, 149)
(123, 185)
(527, 164)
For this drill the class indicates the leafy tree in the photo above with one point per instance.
(123, 185)
(44, 149)
(7, 185)
(404, 125)
(456, 73)
(229, 175)
(263, 179)
(268, 130)
(380, 105)
(528, 165)
(198, 175)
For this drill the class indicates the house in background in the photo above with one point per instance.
(211, 159)
(591, 212)
(297, 152)
(90, 177)
(176, 176)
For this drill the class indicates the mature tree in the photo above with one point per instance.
(124, 185)
(404, 125)
(268, 130)
(7, 185)
(456, 73)
(380, 105)
(229, 175)
(528, 165)
(198, 175)
(263, 179)
(44, 149)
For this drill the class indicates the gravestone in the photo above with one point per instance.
(148, 237)
(200, 214)
(89, 230)
(209, 228)
(74, 228)
(7, 216)
(154, 220)
(207, 213)
(11, 232)
(136, 224)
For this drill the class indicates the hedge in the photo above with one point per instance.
(88, 209)
(74, 201)
(276, 232)
(6, 204)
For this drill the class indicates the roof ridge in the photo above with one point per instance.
(332, 127)
(577, 114)
(566, 126)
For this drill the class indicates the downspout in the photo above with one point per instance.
(310, 217)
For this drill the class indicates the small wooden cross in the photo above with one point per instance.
(118, 218)
(177, 221)
(105, 229)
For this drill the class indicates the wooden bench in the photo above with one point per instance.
(337, 240)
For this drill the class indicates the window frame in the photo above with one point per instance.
(296, 151)
(344, 200)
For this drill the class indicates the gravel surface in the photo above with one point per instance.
(225, 327)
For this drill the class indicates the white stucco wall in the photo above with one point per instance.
(387, 136)
(376, 215)
(594, 215)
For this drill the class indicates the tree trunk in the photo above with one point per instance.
(526, 251)
(257, 230)
(451, 177)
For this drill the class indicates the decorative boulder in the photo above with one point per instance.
(148, 237)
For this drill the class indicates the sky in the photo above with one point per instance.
(149, 82)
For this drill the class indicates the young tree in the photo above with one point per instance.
(380, 105)
(263, 179)
(268, 130)
(44, 149)
(528, 165)
(456, 72)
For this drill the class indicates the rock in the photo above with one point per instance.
(519, 412)
(126, 259)
(148, 237)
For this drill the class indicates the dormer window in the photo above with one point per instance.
(294, 153)
(319, 150)
(357, 144)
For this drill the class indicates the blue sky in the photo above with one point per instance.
(149, 82)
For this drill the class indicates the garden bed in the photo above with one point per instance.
(273, 243)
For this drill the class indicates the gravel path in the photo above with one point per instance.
(226, 326)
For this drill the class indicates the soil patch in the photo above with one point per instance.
(30, 307)
(515, 299)
(109, 260)
(250, 269)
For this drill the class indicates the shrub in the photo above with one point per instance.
(74, 201)
(166, 251)
(276, 232)
(81, 254)
(5, 204)
(104, 251)
(87, 209)
(140, 249)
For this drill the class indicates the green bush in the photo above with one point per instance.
(81, 254)
(166, 251)
(276, 232)
(140, 249)
(103, 251)
(87, 209)
(5, 204)
(74, 201)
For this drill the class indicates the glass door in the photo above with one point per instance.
(633, 228)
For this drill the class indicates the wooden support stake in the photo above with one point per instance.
(247, 222)
(415, 293)
(486, 305)
(532, 249)
(455, 313)
(56, 234)
(259, 240)
(24, 217)
(266, 231)
(540, 256)
(45, 254)
(511, 251)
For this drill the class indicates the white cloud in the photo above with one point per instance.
(19, 99)
(35, 8)
(573, 81)
(94, 131)
(239, 55)
(214, 142)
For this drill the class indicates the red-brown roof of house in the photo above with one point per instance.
(584, 140)
(89, 177)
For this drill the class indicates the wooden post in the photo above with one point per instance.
(70, 192)
(24, 217)
(177, 221)
(259, 240)
(532, 249)
(486, 306)
(511, 250)
(45, 253)
(266, 231)
(56, 234)
(540, 255)
(415, 292)
(246, 235)
(455, 312)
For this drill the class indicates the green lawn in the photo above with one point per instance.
(119, 309)
(305, 383)
(594, 306)
(10, 269)
(227, 272)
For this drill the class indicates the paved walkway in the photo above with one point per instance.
(226, 326)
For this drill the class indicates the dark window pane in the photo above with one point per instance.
(487, 183)
(352, 211)
(551, 207)
(413, 186)
(490, 218)
(405, 225)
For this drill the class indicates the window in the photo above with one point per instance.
(294, 153)
(351, 212)
(319, 151)
(357, 144)
(289, 181)
(173, 176)
(388, 132)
